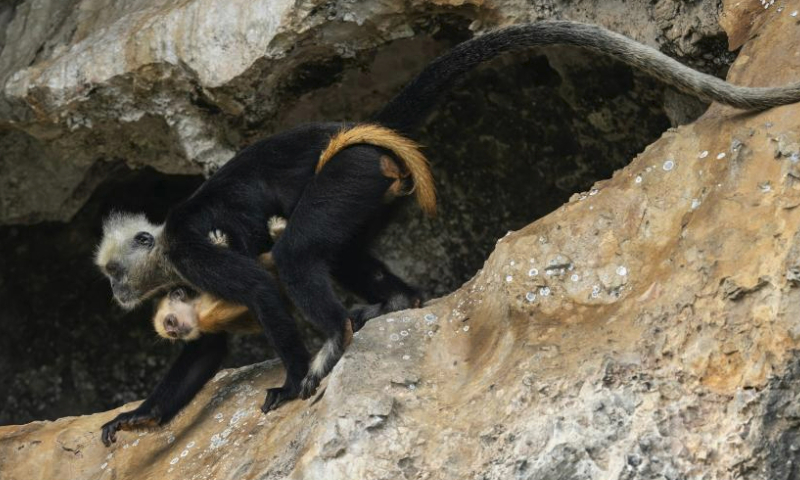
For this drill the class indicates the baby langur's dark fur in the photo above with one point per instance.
(329, 210)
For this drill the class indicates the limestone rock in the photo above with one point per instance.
(180, 86)
(84, 130)
(645, 329)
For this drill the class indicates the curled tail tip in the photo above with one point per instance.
(427, 203)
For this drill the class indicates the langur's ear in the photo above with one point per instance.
(178, 294)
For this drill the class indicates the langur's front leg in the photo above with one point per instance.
(197, 363)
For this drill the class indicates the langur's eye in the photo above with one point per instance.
(178, 294)
(144, 239)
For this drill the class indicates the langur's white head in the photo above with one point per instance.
(131, 255)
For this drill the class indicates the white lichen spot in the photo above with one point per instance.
(703, 154)
(190, 444)
(544, 291)
(174, 461)
(103, 466)
(542, 239)
(765, 187)
(622, 271)
(412, 387)
(394, 337)
(430, 333)
(218, 416)
(530, 296)
(593, 192)
(509, 279)
(533, 272)
(794, 14)
(668, 165)
(390, 320)
(595, 291)
(184, 453)
(638, 179)
(575, 277)
(720, 155)
(795, 157)
(238, 415)
(466, 328)
(512, 263)
(217, 441)
(406, 357)
(403, 333)
(695, 203)
(110, 456)
(430, 318)
(170, 439)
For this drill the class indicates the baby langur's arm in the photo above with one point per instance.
(277, 225)
(218, 237)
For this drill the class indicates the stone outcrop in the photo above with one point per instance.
(180, 86)
(645, 329)
(117, 102)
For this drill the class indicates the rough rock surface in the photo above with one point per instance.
(181, 86)
(646, 329)
(90, 89)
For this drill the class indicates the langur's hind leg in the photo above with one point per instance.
(335, 207)
(368, 277)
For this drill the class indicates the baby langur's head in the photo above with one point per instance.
(131, 255)
(176, 317)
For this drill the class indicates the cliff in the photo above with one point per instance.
(647, 328)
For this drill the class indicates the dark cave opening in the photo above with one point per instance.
(508, 145)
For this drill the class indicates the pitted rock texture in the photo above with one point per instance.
(646, 329)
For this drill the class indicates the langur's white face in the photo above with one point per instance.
(176, 317)
(131, 257)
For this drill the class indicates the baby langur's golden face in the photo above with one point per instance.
(176, 317)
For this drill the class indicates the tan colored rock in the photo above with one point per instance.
(654, 339)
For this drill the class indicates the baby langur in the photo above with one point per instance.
(184, 314)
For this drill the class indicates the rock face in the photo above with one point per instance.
(111, 104)
(645, 329)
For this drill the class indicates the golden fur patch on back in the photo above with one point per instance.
(406, 150)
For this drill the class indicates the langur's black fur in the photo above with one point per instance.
(329, 211)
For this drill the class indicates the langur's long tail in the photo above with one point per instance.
(412, 105)
(406, 150)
